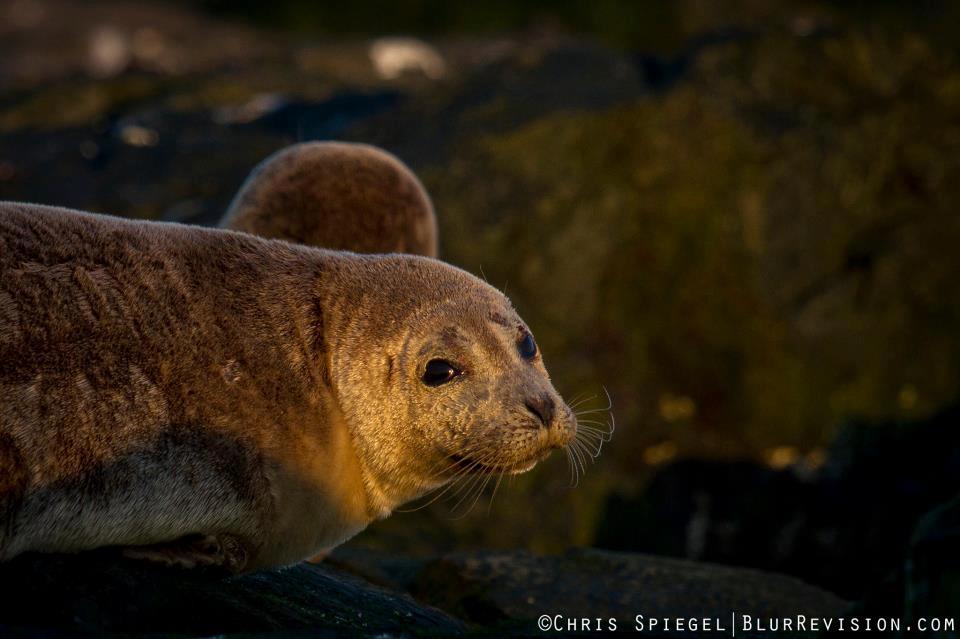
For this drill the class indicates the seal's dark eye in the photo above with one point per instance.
(438, 372)
(527, 347)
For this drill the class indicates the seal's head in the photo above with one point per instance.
(336, 195)
(444, 378)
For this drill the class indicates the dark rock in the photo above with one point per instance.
(845, 530)
(539, 79)
(508, 591)
(702, 509)
(662, 73)
(97, 594)
(927, 584)
(932, 571)
(327, 119)
(483, 594)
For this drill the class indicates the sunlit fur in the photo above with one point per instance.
(476, 424)
(180, 389)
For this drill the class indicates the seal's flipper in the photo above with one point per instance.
(194, 551)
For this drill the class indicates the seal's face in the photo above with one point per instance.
(444, 380)
(486, 404)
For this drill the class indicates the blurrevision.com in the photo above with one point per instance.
(738, 622)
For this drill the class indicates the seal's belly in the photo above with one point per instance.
(168, 487)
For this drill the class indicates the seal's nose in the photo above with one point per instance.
(543, 407)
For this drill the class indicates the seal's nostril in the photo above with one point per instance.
(542, 406)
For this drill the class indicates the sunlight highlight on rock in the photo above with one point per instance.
(674, 408)
(659, 454)
(781, 457)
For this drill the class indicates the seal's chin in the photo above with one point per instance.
(528, 466)
(513, 467)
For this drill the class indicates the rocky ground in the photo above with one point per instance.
(477, 595)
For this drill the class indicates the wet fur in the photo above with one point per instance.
(338, 196)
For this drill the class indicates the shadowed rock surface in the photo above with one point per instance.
(845, 528)
(927, 584)
(482, 594)
(98, 594)
(512, 589)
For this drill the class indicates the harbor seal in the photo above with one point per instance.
(200, 396)
(335, 195)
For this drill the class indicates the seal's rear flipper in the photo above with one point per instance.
(194, 551)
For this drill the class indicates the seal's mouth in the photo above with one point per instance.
(511, 468)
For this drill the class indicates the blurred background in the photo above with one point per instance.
(739, 218)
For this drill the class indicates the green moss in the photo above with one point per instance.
(744, 262)
(78, 103)
(772, 240)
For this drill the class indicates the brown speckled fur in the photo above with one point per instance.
(334, 195)
(162, 382)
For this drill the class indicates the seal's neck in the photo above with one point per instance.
(380, 501)
(338, 325)
(376, 502)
